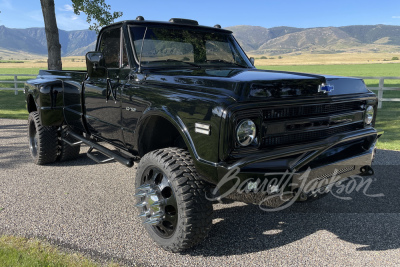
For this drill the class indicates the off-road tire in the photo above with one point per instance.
(194, 210)
(67, 152)
(43, 140)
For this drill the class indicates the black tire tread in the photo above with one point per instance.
(195, 210)
(47, 140)
(67, 152)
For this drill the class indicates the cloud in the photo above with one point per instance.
(65, 21)
(70, 22)
(395, 17)
(66, 8)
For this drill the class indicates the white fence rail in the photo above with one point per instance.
(380, 89)
(15, 81)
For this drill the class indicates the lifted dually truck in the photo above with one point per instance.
(188, 103)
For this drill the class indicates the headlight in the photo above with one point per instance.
(246, 132)
(369, 115)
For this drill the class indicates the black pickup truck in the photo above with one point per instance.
(187, 105)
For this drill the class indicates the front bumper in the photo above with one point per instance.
(305, 167)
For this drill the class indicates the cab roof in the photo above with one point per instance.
(172, 22)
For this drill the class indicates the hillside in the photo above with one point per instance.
(31, 43)
(281, 40)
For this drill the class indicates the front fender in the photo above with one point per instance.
(203, 148)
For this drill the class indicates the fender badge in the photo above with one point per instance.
(130, 109)
(325, 88)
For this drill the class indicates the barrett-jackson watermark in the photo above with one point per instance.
(277, 187)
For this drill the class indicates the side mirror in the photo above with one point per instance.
(252, 61)
(95, 64)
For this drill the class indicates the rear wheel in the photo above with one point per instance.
(66, 151)
(171, 199)
(43, 141)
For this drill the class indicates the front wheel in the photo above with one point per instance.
(171, 199)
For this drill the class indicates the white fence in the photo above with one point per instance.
(15, 81)
(380, 89)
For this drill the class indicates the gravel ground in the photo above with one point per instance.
(89, 208)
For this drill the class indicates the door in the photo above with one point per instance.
(102, 94)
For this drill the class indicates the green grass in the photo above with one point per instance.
(388, 120)
(18, 251)
(13, 106)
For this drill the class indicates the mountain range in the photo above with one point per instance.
(253, 39)
(281, 40)
(33, 41)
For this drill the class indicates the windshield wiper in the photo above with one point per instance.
(174, 60)
(226, 61)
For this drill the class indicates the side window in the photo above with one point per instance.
(110, 47)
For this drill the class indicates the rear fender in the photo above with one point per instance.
(48, 97)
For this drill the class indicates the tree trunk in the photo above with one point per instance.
(53, 41)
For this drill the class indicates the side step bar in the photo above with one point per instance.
(128, 162)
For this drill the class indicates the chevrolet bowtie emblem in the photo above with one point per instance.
(325, 88)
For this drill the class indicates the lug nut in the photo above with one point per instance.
(140, 205)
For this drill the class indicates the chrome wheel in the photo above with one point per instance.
(171, 199)
(33, 141)
(157, 202)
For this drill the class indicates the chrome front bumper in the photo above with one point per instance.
(319, 164)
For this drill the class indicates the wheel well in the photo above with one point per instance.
(159, 133)
(30, 104)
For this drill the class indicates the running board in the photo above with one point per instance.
(128, 162)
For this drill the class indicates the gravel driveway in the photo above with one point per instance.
(88, 207)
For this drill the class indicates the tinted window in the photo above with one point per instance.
(110, 47)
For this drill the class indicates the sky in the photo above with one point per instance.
(265, 13)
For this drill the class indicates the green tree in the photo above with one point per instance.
(98, 15)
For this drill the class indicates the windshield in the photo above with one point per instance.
(186, 47)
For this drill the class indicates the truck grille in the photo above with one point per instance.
(299, 111)
(308, 136)
(314, 123)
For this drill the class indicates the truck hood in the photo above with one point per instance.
(254, 85)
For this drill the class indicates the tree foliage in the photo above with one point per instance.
(98, 15)
(97, 12)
